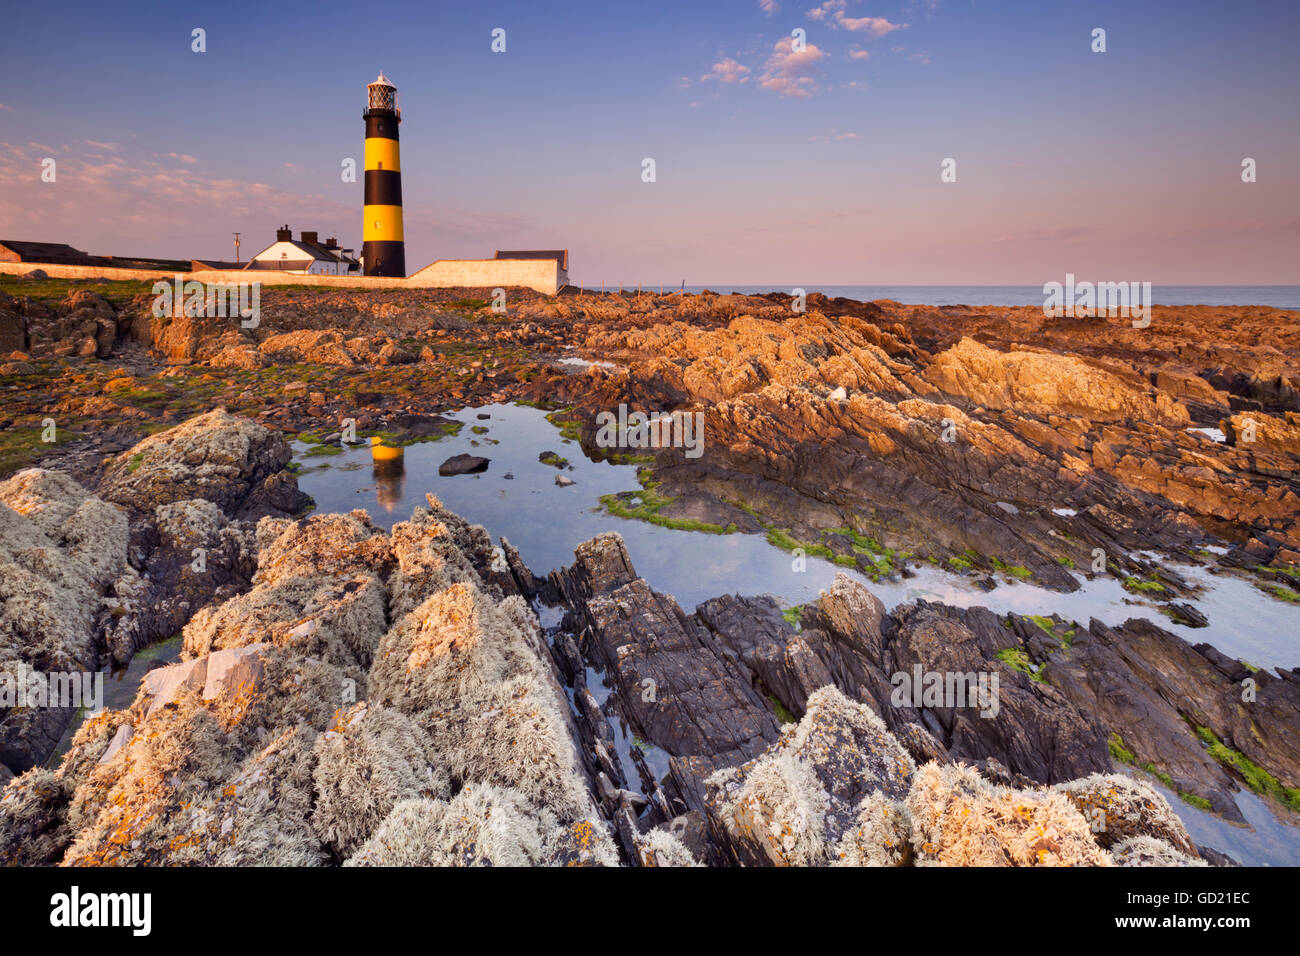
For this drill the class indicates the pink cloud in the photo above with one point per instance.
(727, 71)
(876, 26)
(788, 72)
(833, 11)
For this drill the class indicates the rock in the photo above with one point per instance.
(1119, 808)
(1182, 613)
(1148, 851)
(781, 660)
(165, 685)
(661, 847)
(242, 356)
(564, 481)
(233, 462)
(675, 688)
(13, 332)
(233, 672)
(1152, 690)
(794, 804)
(305, 726)
(321, 347)
(120, 739)
(958, 819)
(463, 465)
(62, 552)
(391, 354)
(412, 427)
(1044, 383)
(482, 826)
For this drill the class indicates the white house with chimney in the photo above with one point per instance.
(305, 256)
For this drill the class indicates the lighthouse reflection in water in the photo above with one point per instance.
(389, 472)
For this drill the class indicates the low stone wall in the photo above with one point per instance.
(541, 275)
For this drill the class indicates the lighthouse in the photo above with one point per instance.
(383, 249)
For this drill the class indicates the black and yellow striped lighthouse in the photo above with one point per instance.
(383, 248)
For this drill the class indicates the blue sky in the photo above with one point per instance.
(772, 166)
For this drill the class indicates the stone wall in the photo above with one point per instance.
(542, 275)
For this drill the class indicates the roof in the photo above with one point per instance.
(314, 251)
(280, 265)
(200, 265)
(39, 251)
(145, 262)
(562, 255)
(323, 253)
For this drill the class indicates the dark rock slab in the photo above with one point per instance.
(463, 465)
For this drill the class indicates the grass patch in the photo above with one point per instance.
(569, 427)
(1283, 592)
(317, 451)
(1018, 660)
(1048, 627)
(1118, 751)
(781, 538)
(465, 305)
(135, 461)
(22, 446)
(1292, 573)
(1164, 778)
(1015, 570)
(646, 504)
(793, 615)
(1192, 800)
(1256, 777)
(1137, 584)
(780, 710)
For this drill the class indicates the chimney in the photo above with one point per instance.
(331, 243)
(309, 238)
(283, 234)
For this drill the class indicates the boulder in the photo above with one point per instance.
(464, 465)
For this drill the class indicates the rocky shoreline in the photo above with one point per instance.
(364, 697)
(353, 696)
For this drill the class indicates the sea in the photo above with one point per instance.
(1277, 296)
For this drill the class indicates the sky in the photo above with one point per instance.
(775, 163)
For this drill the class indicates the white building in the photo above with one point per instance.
(305, 256)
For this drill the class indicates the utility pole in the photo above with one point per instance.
(236, 248)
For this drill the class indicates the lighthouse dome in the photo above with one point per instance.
(383, 95)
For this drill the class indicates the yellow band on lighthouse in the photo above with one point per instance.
(382, 153)
(382, 224)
